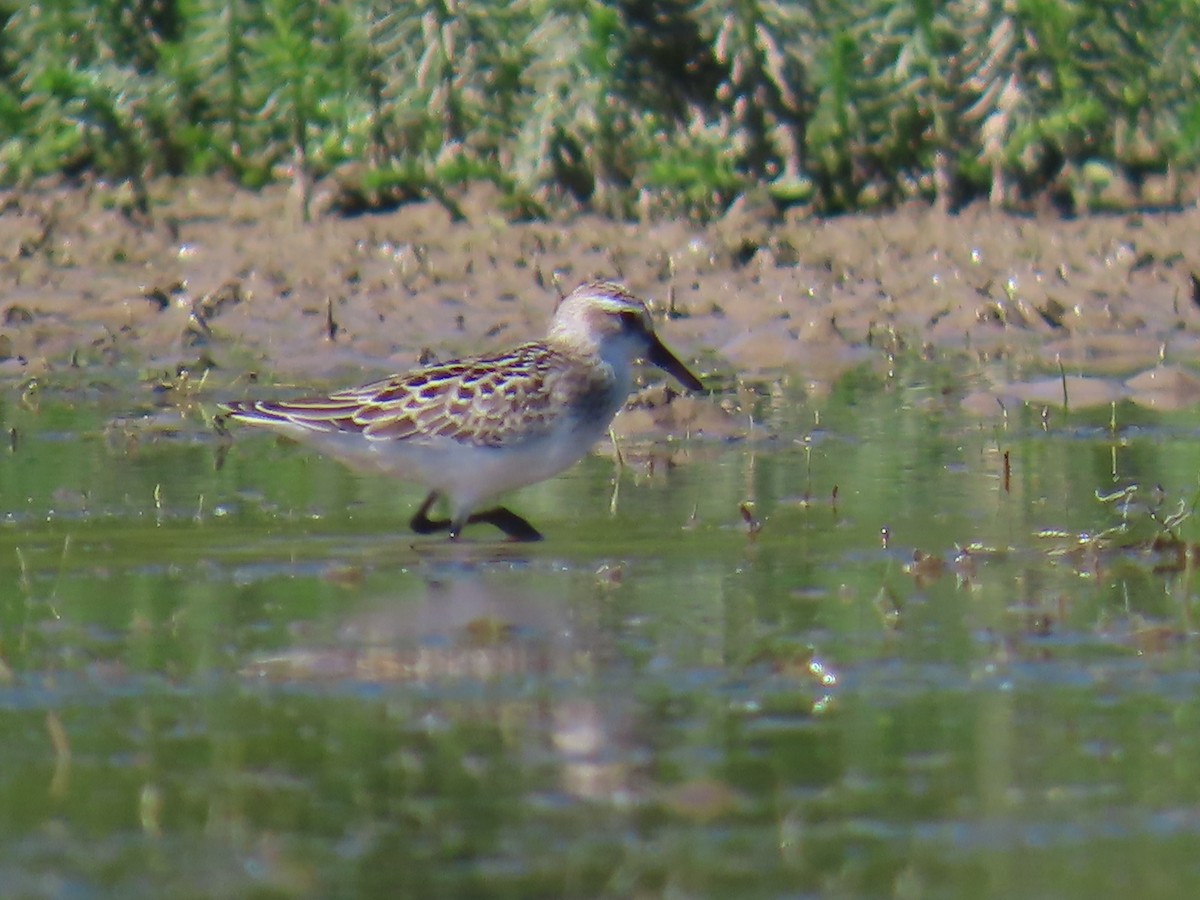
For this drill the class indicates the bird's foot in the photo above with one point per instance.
(514, 526)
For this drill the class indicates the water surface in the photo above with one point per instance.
(233, 672)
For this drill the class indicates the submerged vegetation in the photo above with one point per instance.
(625, 106)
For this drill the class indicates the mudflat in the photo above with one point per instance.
(238, 279)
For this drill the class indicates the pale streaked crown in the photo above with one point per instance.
(595, 312)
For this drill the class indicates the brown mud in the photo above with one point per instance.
(233, 279)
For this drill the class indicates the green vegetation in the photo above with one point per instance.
(625, 106)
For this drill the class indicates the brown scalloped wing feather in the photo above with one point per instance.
(486, 401)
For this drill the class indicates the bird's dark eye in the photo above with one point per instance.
(631, 320)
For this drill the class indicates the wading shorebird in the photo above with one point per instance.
(474, 428)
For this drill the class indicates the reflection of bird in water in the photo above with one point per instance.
(480, 651)
(475, 428)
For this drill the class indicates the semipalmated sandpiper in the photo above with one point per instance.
(475, 428)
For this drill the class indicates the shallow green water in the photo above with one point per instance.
(252, 681)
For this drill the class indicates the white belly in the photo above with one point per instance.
(466, 474)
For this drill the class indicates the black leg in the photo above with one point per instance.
(422, 524)
(507, 521)
(517, 528)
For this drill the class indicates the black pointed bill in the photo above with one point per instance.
(659, 355)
